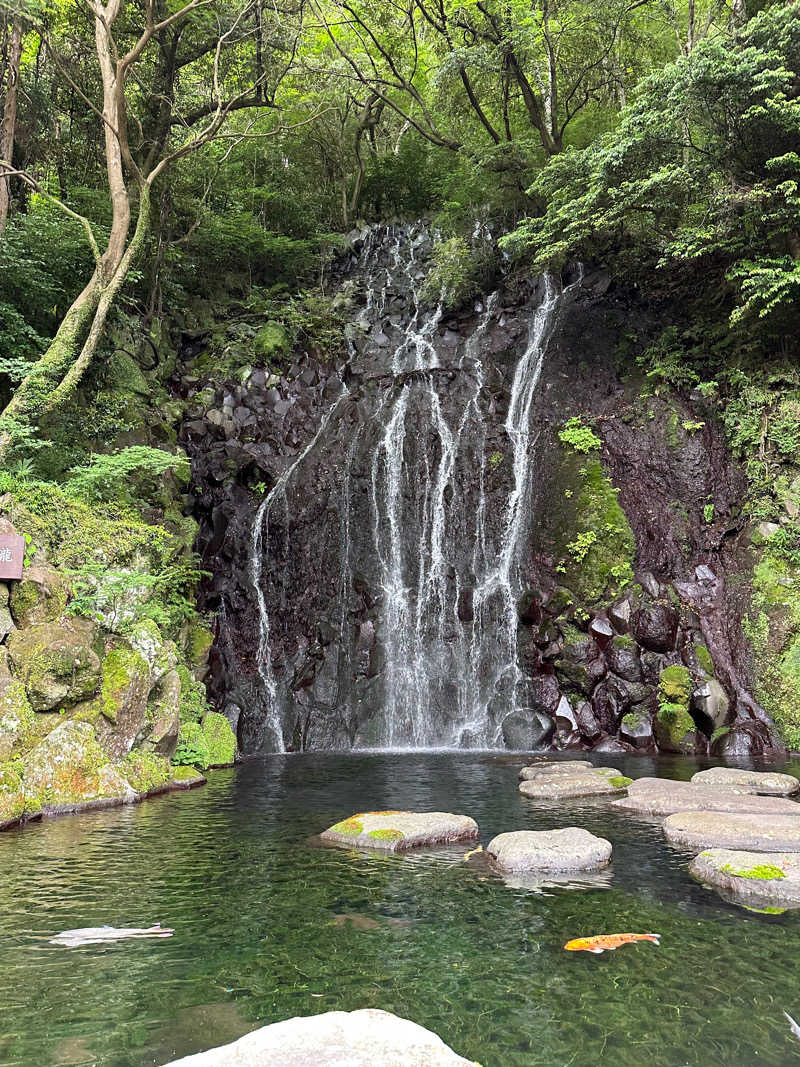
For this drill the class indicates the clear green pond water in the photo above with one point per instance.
(261, 933)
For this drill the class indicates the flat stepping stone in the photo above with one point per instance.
(398, 831)
(662, 796)
(548, 851)
(759, 833)
(585, 784)
(756, 879)
(365, 1038)
(768, 783)
(567, 767)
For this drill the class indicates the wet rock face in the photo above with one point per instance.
(383, 603)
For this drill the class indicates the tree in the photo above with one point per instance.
(8, 123)
(224, 51)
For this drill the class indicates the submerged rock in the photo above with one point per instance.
(756, 879)
(772, 833)
(662, 796)
(397, 831)
(569, 849)
(768, 783)
(365, 1038)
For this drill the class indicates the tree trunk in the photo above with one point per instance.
(9, 120)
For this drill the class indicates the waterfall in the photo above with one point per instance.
(416, 519)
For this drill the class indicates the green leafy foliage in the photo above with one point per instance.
(133, 475)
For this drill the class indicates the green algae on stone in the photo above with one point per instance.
(12, 796)
(620, 782)
(384, 835)
(351, 827)
(17, 719)
(765, 871)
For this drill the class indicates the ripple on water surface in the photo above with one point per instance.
(267, 927)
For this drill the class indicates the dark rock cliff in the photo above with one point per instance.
(627, 620)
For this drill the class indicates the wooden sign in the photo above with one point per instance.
(12, 553)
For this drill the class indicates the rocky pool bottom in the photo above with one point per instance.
(267, 927)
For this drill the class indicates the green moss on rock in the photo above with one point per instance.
(192, 748)
(620, 782)
(145, 770)
(17, 719)
(765, 871)
(704, 658)
(272, 343)
(122, 668)
(387, 834)
(219, 737)
(674, 725)
(57, 662)
(351, 827)
(12, 796)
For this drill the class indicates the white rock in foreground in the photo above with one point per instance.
(366, 1038)
(767, 783)
(549, 851)
(397, 831)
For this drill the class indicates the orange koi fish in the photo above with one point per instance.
(607, 942)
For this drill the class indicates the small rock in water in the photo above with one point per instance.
(757, 833)
(97, 935)
(768, 783)
(752, 878)
(397, 831)
(569, 849)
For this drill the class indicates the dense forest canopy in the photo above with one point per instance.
(146, 144)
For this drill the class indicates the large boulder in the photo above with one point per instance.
(398, 831)
(622, 657)
(57, 662)
(663, 796)
(40, 596)
(711, 703)
(749, 739)
(655, 626)
(757, 833)
(637, 729)
(527, 730)
(755, 879)
(569, 849)
(69, 770)
(366, 1038)
(768, 783)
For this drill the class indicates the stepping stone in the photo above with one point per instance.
(757, 879)
(662, 796)
(549, 851)
(567, 767)
(769, 783)
(365, 1038)
(397, 831)
(697, 829)
(583, 784)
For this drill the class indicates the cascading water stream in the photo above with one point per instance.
(444, 566)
